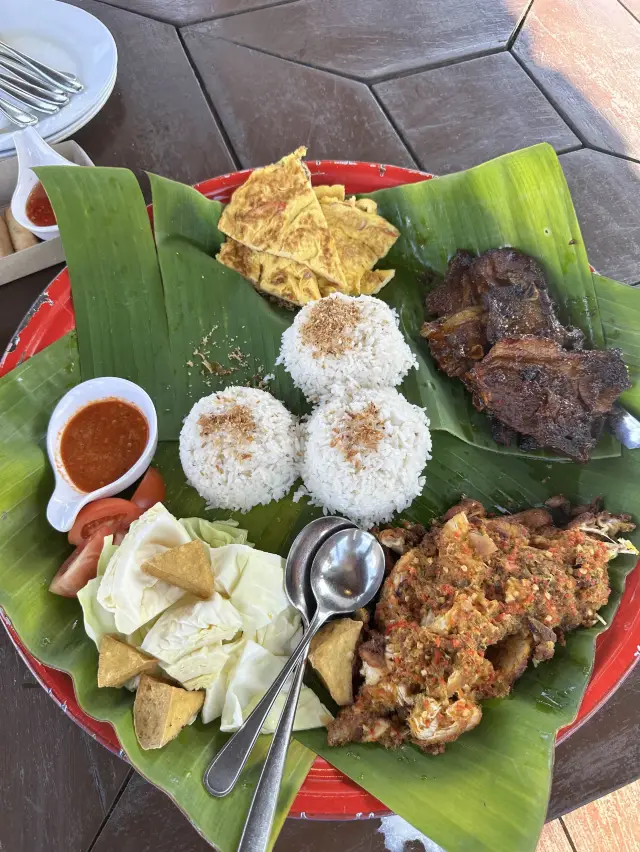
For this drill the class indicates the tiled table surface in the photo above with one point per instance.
(206, 86)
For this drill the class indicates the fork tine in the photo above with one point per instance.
(21, 71)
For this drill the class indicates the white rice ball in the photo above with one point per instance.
(364, 454)
(240, 447)
(345, 342)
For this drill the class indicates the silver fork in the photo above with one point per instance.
(66, 81)
(16, 115)
(21, 71)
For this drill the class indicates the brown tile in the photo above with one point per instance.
(461, 115)
(182, 12)
(157, 118)
(270, 106)
(602, 754)
(605, 192)
(584, 54)
(57, 784)
(610, 823)
(371, 38)
(553, 838)
(143, 812)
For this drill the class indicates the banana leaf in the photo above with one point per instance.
(489, 790)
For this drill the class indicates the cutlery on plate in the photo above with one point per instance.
(10, 78)
(345, 575)
(298, 589)
(27, 100)
(66, 81)
(28, 76)
(16, 115)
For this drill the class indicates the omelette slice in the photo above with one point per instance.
(286, 280)
(330, 193)
(276, 211)
(361, 237)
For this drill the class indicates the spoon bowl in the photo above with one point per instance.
(347, 571)
(297, 579)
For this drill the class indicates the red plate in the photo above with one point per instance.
(326, 793)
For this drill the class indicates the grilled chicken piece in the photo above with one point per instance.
(559, 398)
(401, 539)
(464, 611)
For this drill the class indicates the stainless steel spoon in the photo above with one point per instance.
(346, 573)
(225, 768)
(257, 829)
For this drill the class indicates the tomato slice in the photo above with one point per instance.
(150, 491)
(76, 571)
(108, 515)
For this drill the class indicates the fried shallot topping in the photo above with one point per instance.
(328, 329)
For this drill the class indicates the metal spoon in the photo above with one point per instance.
(346, 573)
(225, 768)
(257, 829)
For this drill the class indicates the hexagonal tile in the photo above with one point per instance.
(371, 38)
(461, 115)
(270, 106)
(584, 55)
(605, 192)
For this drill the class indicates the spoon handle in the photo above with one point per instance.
(225, 768)
(257, 829)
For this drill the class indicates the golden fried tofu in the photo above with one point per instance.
(283, 279)
(188, 567)
(277, 211)
(161, 711)
(332, 654)
(119, 662)
(362, 238)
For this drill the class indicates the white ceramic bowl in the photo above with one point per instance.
(67, 500)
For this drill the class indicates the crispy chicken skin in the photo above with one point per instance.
(466, 608)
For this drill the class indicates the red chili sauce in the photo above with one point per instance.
(39, 209)
(102, 441)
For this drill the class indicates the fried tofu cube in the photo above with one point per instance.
(187, 566)
(161, 711)
(332, 654)
(119, 662)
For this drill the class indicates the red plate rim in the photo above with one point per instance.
(326, 792)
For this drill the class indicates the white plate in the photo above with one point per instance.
(69, 39)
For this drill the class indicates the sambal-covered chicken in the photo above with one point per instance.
(465, 609)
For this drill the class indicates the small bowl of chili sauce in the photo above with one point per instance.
(101, 438)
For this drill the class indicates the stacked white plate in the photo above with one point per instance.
(68, 39)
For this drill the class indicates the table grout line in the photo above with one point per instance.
(519, 25)
(110, 810)
(354, 78)
(396, 128)
(212, 107)
(627, 157)
(567, 834)
(172, 23)
(572, 127)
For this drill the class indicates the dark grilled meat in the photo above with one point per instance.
(558, 398)
(458, 341)
(456, 291)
